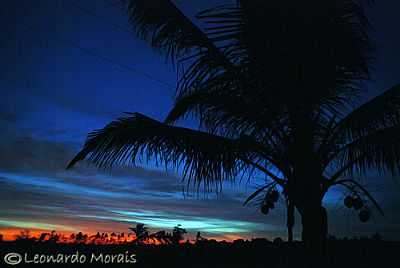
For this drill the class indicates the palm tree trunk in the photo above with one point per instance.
(313, 218)
(290, 220)
(314, 233)
(314, 223)
(306, 183)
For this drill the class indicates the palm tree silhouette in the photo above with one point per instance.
(200, 238)
(24, 235)
(161, 237)
(273, 85)
(177, 234)
(141, 232)
(79, 238)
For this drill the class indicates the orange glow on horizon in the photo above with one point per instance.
(11, 234)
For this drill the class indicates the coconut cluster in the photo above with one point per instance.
(356, 202)
(269, 201)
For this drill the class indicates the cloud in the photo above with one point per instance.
(8, 117)
(35, 225)
(160, 219)
(24, 153)
(35, 188)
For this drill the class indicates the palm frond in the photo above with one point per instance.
(223, 106)
(378, 150)
(380, 112)
(203, 157)
(305, 45)
(225, 27)
(227, 107)
(258, 191)
(162, 24)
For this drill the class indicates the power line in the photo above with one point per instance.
(113, 3)
(125, 29)
(106, 59)
(118, 27)
(95, 15)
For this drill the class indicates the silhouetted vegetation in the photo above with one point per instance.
(355, 253)
(140, 235)
(168, 249)
(273, 85)
(141, 232)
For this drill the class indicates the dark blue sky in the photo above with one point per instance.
(72, 66)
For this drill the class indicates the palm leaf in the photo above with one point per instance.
(379, 150)
(297, 55)
(219, 105)
(362, 124)
(382, 111)
(257, 192)
(204, 157)
(162, 24)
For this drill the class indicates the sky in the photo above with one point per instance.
(70, 67)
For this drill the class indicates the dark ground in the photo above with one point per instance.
(257, 253)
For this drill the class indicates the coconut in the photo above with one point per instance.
(364, 215)
(274, 195)
(264, 209)
(349, 201)
(270, 204)
(358, 203)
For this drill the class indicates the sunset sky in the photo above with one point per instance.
(70, 67)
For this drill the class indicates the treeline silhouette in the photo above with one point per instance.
(202, 252)
(139, 235)
(170, 249)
